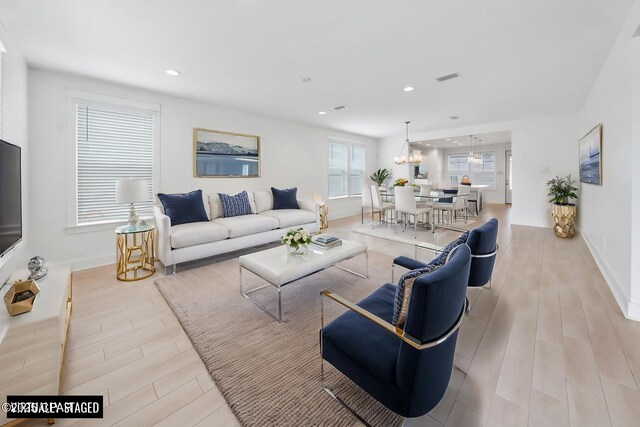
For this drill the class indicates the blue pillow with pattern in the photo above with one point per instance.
(444, 253)
(403, 293)
(235, 205)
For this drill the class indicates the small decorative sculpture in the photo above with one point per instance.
(36, 268)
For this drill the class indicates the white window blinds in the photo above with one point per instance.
(480, 174)
(346, 169)
(111, 144)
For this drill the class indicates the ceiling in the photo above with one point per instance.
(491, 138)
(516, 58)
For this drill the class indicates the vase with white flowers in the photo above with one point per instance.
(297, 241)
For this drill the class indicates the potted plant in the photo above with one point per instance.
(379, 177)
(563, 212)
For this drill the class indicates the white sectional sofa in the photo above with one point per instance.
(188, 242)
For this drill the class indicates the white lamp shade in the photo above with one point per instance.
(132, 191)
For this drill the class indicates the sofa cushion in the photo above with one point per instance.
(264, 201)
(215, 208)
(197, 233)
(247, 224)
(235, 205)
(184, 208)
(290, 217)
(285, 199)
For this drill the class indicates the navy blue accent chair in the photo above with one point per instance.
(448, 199)
(407, 371)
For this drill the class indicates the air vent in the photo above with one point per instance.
(339, 107)
(447, 77)
(637, 33)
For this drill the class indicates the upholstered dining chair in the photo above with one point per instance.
(482, 242)
(378, 205)
(406, 204)
(366, 201)
(459, 204)
(406, 369)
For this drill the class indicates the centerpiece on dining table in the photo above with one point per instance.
(297, 241)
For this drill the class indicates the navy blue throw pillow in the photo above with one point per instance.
(235, 205)
(285, 199)
(441, 259)
(184, 208)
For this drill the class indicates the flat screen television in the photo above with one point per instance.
(10, 197)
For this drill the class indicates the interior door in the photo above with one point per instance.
(507, 177)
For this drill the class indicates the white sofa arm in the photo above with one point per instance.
(311, 206)
(163, 236)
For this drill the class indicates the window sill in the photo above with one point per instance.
(102, 226)
(346, 197)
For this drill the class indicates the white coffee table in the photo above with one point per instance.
(279, 268)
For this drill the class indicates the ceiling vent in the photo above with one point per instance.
(339, 107)
(637, 33)
(447, 77)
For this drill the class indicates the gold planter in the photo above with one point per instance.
(564, 219)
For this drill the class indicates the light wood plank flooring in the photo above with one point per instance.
(546, 346)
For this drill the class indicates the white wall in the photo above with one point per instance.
(495, 195)
(14, 130)
(541, 148)
(292, 155)
(606, 217)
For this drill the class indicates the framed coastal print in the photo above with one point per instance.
(219, 154)
(590, 147)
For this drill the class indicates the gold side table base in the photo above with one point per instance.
(135, 256)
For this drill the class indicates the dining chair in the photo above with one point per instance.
(379, 205)
(406, 204)
(366, 201)
(459, 204)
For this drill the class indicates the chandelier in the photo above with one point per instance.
(413, 157)
(475, 157)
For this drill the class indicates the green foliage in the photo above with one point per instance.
(379, 176)
(561, 190)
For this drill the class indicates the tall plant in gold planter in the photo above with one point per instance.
(563, 212)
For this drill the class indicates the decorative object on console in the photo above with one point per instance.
(20, 297)
(285, 198)
(225, 154)
(563, 212)
(130, 191)
(324, 211)
(297, 241)
(590, 147)
(465, 180)
(380, 176)
(36, 268)
(235, 205)
(184, 208)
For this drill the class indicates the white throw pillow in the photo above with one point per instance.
(264, 200)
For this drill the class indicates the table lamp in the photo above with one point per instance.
(132, 191)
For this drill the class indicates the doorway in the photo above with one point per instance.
(507, 177)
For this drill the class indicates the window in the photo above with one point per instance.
(480, 174)
(112, 143)
(346, 169)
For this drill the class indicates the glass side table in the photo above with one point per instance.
(135, 253)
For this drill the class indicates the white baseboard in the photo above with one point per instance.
(85, 263)
(621, 298)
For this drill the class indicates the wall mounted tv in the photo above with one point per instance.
(10, 197)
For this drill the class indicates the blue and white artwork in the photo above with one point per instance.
(226, 154)
(591, 157)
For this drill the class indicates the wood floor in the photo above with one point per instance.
(546, 346)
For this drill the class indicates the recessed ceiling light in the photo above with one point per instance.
(455, 142)
(408, 88)
(448, 139)
(428, 144)
(173, 72)
(322, 113)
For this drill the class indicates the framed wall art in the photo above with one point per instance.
(219, 154)
(590, 148)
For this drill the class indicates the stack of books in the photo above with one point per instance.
(325, 241)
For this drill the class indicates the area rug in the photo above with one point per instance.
(269, 373)
(394, 233)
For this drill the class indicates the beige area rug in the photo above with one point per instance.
(269, 373)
